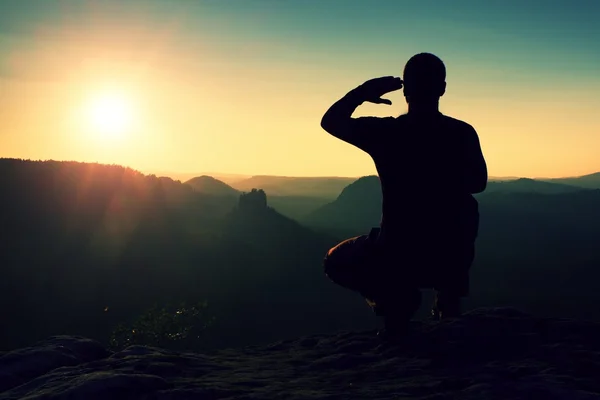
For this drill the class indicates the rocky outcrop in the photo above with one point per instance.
(487, 354)
(255, 200)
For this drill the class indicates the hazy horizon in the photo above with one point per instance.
(215, 173)
(207, 86)
(233, 175)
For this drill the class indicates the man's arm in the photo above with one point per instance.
(338, 120)
(476, 174)
(359, 132)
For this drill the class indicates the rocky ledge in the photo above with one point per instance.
(487, 354)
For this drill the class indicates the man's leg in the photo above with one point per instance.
(359, 264)
(397, 306)
(398, 297)
(446, 305)
(453, 283)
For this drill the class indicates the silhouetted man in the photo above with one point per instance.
(429, 166)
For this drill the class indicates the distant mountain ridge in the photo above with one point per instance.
(300, 197)
(323, 187)
(358, 206)
(208, 185)
(531, 186)
(591, 181)
(292, 206)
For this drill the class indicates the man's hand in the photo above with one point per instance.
(373, 89)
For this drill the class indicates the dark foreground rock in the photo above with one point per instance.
(487, 354)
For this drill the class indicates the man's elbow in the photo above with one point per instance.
(331, 126)
(479, 184)
(326, 124)
(479, 187)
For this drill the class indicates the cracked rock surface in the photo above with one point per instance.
(487, 354)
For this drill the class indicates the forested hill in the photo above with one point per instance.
(86, 247)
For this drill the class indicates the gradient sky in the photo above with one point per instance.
(239, 86)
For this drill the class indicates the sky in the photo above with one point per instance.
(240, 86)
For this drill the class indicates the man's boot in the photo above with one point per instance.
(398, 313)
(395, 328)
(445, 306)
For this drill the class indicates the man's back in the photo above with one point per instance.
(420, 162)
(429, 164)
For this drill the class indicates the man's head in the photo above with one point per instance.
(424, 79)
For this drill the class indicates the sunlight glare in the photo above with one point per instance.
(110, 115)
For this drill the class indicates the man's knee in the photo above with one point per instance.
(331, 267)
(341, 261)
(332, 263)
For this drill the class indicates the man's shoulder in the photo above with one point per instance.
(400, 120)
(458, 124)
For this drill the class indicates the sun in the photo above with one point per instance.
(110, 114)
